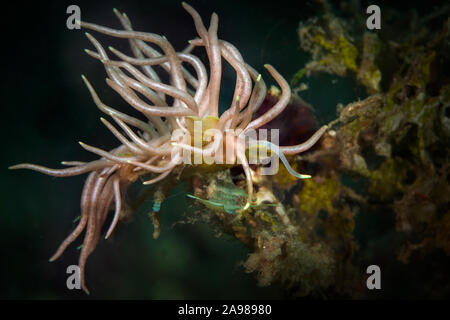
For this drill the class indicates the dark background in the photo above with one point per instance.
(46, 110)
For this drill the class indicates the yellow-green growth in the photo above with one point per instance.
(348, 52)
(315, 196)
(388, 179)
(297, 76)
(268, 219)
(341, 51)
(283, 177)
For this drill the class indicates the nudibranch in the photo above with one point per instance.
(156, 145)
